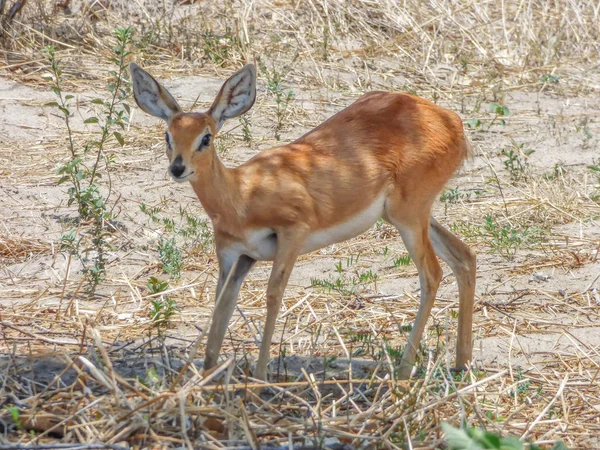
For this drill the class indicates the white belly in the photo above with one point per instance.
(343, 231)
(261, 244)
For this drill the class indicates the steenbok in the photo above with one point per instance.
(387, 155)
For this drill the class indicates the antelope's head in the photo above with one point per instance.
(190, 136)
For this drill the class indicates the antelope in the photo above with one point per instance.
(387, 155)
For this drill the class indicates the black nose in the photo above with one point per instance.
(177, 168)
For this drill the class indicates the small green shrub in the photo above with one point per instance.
(88, 161)
(162, 308)
(171, 257)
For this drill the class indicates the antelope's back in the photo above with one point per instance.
(400, 130)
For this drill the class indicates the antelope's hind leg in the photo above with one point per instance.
(415, 234)
(462, 261)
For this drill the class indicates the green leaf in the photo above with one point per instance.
(69, 97)
(119, 138)
(459, 439)
(91, 120)
(98, 101)
(473, 123)
(54, 104)
(510, 443)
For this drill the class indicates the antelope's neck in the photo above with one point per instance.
(217, 189)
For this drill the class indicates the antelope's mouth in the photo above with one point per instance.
(183, 178)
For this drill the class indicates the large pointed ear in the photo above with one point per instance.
(235, 97)
(150, 95)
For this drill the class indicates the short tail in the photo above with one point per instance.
(470, 149)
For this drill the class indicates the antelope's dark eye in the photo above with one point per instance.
(205, 141)
(167, 139)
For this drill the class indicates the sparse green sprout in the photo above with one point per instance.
(595, 168)
(558, 171)
(152, 378)
(402, 261)
(245, 122)
(346, 284)
(506, 240)
(219, 50)
(550, 78)
(338, 285)
(517, 161)
(583, 127)
(338, 267)
(453, 195)
(367, 277)
(282, 96)
(523, 386)
(194, 230)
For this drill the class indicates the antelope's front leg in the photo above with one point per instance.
(289, 244)
(224, 309)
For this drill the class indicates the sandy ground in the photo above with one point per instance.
(33, 207)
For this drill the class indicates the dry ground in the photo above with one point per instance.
(80, 369)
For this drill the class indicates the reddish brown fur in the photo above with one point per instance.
(383, 141)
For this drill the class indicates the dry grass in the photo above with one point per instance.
(78, 370)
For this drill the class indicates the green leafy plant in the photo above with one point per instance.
(523, 386)
(453, 195)
(171, 256)
(163, 308)
(517, 161)
(15, 414)
(189, 230)
(474, 124)
(500, 112)
(506, 239)
(477, 439)
(88, 161)
(156, 286)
